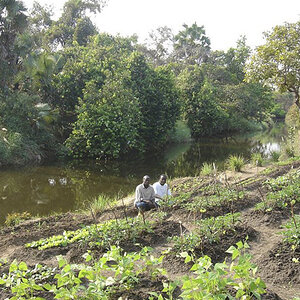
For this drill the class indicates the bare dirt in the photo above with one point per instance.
(273, 257)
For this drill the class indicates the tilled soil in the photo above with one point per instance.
(275, 259)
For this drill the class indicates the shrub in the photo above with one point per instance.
(256, 159)
(235, 162)
(292, 232)
(275, 156)
(16, 218)
(207, 169)
(101, 203)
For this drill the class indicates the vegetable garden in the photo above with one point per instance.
(213, 239)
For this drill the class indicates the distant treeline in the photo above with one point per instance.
(67, 89)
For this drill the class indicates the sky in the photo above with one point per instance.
(224, 20)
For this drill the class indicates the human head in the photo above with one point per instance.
(162, 179)
(146, 181)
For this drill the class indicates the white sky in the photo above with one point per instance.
(224, 20)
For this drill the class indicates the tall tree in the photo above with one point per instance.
(158, 100)
(277, 62)
(159, 45)
(74, 25)
(191, 45)
(13, 21)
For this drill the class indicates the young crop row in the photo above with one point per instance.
(280, 182)
(208, 230)
(284, 191)
(210, 197)
(116, 272)
(292, 232)
(97, 235)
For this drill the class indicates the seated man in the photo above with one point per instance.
(145, 196)
(161, 188)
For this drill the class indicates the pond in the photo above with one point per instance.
(62, 187)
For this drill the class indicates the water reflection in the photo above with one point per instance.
(59, 188)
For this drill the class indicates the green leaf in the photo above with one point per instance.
(230, 249)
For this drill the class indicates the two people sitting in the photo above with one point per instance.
(147, 196)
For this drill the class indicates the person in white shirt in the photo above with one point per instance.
(161, 188)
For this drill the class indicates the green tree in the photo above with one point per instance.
(104, 53)
(108, 121)
(158, 100)
(277, 62)
(191, 45)
(13, 21)
(204, 114)
(159, 46)
(74, 25)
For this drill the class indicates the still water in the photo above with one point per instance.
(62, 187)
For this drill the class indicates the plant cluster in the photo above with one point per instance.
(117, 272)
(257, 159)
(283, 190)
(208, 169)
(97, 235)
(96, 279)
(237, 280)
(292, 232)
(208, 230)
(220, 197)
(235, 162)
(15, 218)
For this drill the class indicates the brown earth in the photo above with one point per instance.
(273, 257)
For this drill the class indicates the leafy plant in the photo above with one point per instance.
(275, 156)
(257, 159)
(114, 272)
(220, 197)
(215, 281)
(284, 189)
(97, 235)
(208, 230)
(16, 218)
(17, 280)
(292, 232)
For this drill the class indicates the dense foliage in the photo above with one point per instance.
(66, 88)
(277, 61)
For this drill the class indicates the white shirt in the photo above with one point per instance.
(161, 190)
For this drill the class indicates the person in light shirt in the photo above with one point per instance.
(161, 188)
(145, 196)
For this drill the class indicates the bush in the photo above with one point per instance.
(235, 163)
(99, 204)
(16, 218)
(275, 156)
(15, 149)
(256, 159)
(107, 123)
(207, 169)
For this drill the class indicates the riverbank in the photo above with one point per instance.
(206, 216)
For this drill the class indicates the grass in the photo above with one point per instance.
(275, 156)
(207, 169)
(14, 219)
(101, 203)
(235, 162)
(257, 159)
